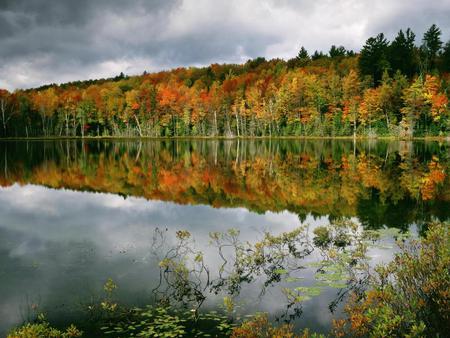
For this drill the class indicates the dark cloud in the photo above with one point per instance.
(45, 41)
(418, 15)
(69, 12)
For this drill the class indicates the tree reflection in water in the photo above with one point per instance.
(382, 183)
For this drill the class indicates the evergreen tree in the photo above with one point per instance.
(337, 51)
(302, 54)
(402, 53)
(373, 58)
(302, 58)
(317, 55)
(445, 58)
(431, 46)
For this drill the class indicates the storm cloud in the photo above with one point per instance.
(46, 41)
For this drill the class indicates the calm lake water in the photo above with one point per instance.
(73, 213)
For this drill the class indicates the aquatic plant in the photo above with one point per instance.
(41, 328)
(407, 297)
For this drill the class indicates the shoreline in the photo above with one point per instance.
(231, 138)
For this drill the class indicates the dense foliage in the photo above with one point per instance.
(260, 326)
(42, 329)
(395, 89)
(408, 297)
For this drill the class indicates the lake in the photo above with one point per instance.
(76, 213)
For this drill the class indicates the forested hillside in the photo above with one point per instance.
(399, 88)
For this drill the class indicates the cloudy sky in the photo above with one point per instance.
(44, 41)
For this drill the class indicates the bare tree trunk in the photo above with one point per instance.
(67, 124)
(228, 126)
(82, 127)
(74, 125)
(138, 125)
(237, 122)
(215, 124)
(271, 117)
(43, 124)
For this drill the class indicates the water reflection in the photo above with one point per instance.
(394, 183)
(58, 246)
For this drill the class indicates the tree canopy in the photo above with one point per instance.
(389, 88)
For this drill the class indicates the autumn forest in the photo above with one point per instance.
(397, 88)
(224, 168)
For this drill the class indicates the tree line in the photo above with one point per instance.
(393, 88)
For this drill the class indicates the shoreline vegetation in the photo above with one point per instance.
(232, 138)
(396, 89)
(405, 297)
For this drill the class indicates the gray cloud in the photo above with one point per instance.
(44, 41)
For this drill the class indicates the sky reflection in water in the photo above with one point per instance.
(58, 246)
